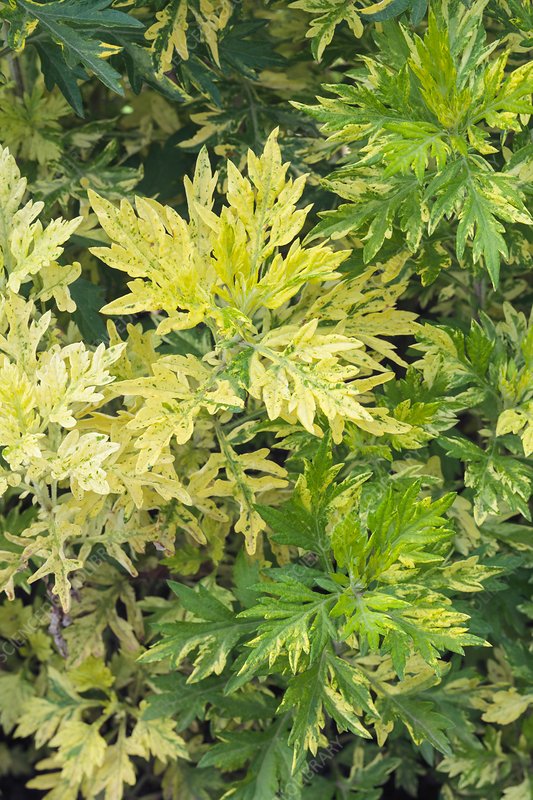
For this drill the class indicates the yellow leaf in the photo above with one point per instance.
(298, 371)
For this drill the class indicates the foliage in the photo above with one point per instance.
(266, 391)
(426, 119)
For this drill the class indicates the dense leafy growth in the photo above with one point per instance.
(266, 400)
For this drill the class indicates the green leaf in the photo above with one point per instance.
(302, 521)
(268, 758)
(329, 686)
(55, 74)
(294, 624)
(69, 24)
(214, 638)
(189, 701)
(414, 125)
(419, 716)
(500, 483)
